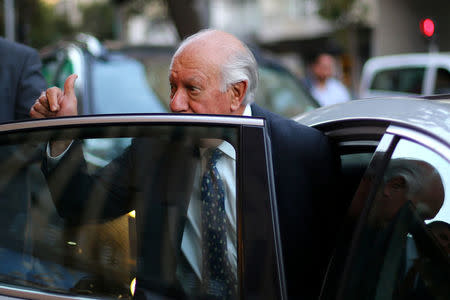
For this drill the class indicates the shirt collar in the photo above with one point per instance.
(247, 111)
(226, 147)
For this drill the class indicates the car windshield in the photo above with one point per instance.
(120, 86)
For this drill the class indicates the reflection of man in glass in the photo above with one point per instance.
(441, 231)
(407, 179)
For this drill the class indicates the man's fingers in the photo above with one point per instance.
(43, 109)
(36, 114)
(69, 85)
(53, 94)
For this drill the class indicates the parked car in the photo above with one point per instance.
(278, 90)
(406, 74)
(107, 82)
(44, 256)
(102, 86)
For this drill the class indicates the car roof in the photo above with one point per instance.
(405, 60)
(430, 116)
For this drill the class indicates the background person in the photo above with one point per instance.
(21, 81)
(212, 72)
(323, 84)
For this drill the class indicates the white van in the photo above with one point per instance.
(406, 74)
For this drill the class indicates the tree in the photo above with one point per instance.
(98, 20)
(37, 25)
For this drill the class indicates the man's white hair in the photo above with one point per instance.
(240, 66)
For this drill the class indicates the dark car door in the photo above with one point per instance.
(394, 241)
(85, 224)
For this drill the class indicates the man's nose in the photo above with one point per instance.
(179, 102)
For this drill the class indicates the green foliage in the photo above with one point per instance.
(36, 23)
(98, 20)
(46, 27)
(335, 9)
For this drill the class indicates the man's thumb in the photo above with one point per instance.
(69, 85)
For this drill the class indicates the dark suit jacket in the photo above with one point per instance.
(306, 182)
(21, 81)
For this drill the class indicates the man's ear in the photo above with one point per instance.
(238, 91)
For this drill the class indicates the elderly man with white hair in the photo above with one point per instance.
(213, 72)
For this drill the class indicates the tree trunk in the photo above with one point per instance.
(189, 16)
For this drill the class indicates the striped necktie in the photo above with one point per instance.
(218, 278)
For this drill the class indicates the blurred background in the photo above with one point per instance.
(291, 31)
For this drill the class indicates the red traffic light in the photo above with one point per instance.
(427, 27)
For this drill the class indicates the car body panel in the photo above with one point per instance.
(432, 117)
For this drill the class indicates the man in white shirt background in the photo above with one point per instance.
(323, 84)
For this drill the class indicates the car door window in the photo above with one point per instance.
(400, 247)
(442, 85)
(78, 227)
(405, 80)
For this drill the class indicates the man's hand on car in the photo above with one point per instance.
(57, 103)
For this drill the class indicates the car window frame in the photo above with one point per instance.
(252, 131)
(394, 133)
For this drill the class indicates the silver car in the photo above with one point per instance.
(393, 241)
(395, 161)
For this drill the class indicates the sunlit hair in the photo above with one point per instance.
(239, 66)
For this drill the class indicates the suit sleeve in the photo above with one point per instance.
(82, 197)
(31, 84)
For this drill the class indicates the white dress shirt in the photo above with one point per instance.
(191, 243)
(333, 92)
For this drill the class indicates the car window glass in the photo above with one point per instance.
(80, 225)
(406, 80)
(280, 93)
(115, 93)
(400, 254)
(442, 85)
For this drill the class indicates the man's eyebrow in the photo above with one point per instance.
(195, 80)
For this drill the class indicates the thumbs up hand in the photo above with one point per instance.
(56, 103)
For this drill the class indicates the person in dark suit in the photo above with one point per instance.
(21, 81)
(213, 72)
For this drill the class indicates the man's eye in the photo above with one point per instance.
(173, 89)
(194, 89)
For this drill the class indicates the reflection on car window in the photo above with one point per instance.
(399, 254)
(82, 227)
(406, 80)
